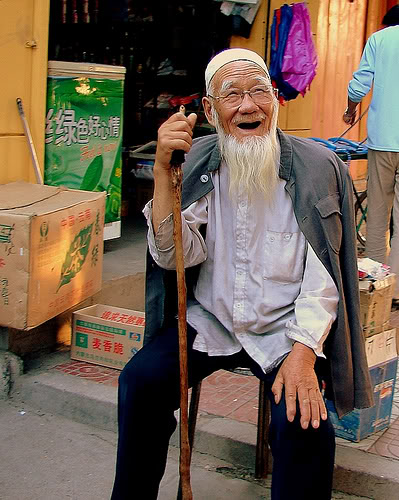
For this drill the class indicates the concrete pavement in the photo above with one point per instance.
(49, 457)
(85, 402)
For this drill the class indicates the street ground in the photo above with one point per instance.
(49, 457)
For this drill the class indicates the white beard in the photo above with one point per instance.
(253, 163)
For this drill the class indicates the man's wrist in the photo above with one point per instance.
(347, 112)
(304, 351)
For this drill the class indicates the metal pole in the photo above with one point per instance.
(39, 178)
(267, 30)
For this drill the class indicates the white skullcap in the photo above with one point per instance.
(232, 55)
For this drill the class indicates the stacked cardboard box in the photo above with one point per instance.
(51, 251)
(381, 350)
(375, 304)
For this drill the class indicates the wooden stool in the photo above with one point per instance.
(262, 448)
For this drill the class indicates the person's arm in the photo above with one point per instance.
(362, 81)
(315, 312)
(161, 245)
(174, 134)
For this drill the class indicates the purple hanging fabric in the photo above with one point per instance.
(300, 58)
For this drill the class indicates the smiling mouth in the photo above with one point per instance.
(249, 125)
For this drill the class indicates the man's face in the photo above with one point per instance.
(248, 118)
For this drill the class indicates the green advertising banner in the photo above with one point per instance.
(84, 119)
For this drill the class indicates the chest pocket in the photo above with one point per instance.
(284, 257)
(330, 212)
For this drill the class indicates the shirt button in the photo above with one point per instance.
(204, 178)
(287, 237)
(271, 238)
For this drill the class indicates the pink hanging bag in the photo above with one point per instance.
(300, 57)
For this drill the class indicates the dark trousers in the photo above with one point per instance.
(149, 393)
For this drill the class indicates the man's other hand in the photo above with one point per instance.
(299, 381)
(349, 117)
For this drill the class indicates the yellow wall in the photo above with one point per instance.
(343, 28)
(24, 73)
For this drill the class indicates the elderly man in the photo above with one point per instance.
(269, 246)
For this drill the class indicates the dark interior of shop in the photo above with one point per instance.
(164, 46)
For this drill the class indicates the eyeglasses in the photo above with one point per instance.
(260, 96)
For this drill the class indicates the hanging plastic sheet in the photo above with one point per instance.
(282, 19)
(300, 58)
(293, 58)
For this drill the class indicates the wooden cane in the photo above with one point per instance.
(185, 452)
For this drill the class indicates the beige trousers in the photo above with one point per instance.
(382, 200)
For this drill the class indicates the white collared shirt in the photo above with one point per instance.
(261, 286)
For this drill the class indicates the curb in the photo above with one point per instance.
(357, 472)
(11, 368)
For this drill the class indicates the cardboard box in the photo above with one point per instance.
(358, 424)
(375, 304)
(51, 251)
(107, 335)
(381, 347)
(383, 362)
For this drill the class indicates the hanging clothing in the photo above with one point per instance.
(293, 58)
(300, 57)
(282, 19)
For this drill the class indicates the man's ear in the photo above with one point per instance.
(206, 103)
